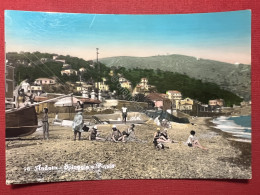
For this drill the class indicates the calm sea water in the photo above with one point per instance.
(238, 126)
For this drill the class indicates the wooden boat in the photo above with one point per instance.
(21, 122)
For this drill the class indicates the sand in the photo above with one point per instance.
(130, 160)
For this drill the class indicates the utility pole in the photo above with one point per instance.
(97, 54)
(98, 69)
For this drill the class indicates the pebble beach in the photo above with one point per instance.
(31, 159)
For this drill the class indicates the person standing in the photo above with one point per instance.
(124, 113)
(78, 121)
(45, 124)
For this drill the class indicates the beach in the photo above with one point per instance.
(31, 159)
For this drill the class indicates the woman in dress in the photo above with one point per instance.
(78, 121)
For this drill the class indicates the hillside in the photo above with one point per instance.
(162, 80)
(235, 78)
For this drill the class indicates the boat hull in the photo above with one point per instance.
(22, 122)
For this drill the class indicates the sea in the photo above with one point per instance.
(239, 127)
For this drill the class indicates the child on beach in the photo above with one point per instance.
(193, 142)
(94, 134)
(117, 135)
(158, 140)
(164, 136)
(129, 131)
(158, 145)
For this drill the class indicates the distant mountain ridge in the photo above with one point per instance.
(233, 77)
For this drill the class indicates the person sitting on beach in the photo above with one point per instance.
(161, 136)
(165, 137)
(129, 131)
(157, 135)
(193, 142)
(117, 135)
(158, 145)
(157, 141)
(94, 134)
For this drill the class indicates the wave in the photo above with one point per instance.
(226, 124)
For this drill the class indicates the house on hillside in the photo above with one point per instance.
(216, 102)
(44, 81)
(111, 73)
(125, 83)
(175, 96)
(66, 66)
(69, 72)
(143, 87)
(160, 100)
(36, 89)
(83, 86)
(81, 70)
(54, 57)
(216, 105)
(44, 60)
(102, 85)
(186, 104)
(80, 88)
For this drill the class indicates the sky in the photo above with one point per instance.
(222, 36)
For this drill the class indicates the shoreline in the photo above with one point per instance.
(245, 147)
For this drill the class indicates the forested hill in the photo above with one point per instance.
(29, 66)
(163, 80)
(233, 77)
(189, 87)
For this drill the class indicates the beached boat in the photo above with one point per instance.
(21, 122)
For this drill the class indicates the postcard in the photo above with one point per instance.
(104, 96)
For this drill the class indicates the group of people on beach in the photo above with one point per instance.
(116, 135)
(159, 138)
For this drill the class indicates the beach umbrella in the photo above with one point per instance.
(67, 101)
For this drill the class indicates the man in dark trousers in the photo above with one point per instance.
(124, 113)
(45, 124)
